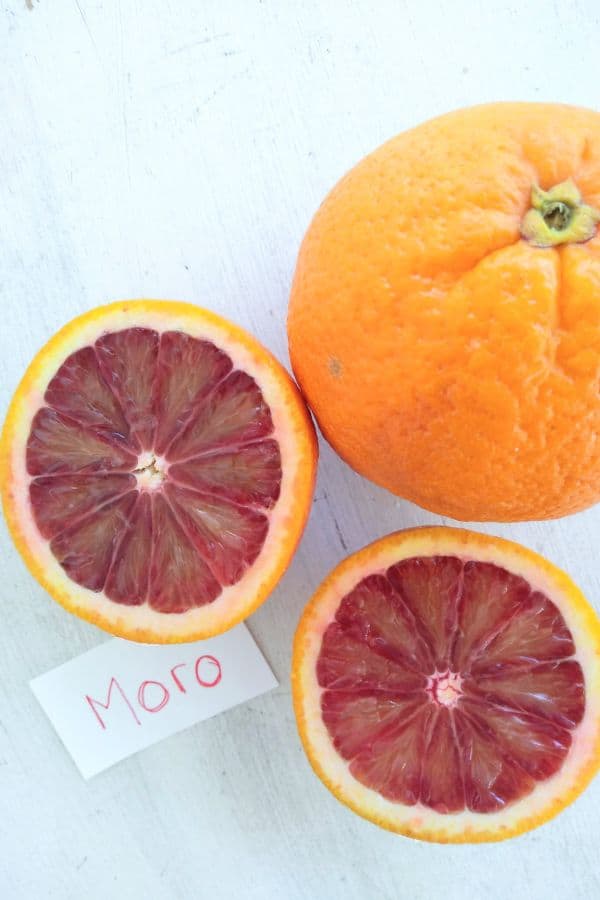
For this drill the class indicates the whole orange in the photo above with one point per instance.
(444, 321)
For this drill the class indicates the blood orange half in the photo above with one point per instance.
(157, 470)
(447, 686)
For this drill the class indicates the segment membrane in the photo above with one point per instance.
(430, 588)
(492, 778)
(442, 786)
(373, 613)
(116, 409)
(489, 599)
(227, 536)
(553, 690)
(128, 364)
(399, 639)
(179, 577)
(392, 762)
(128, 578)
(249, 475)
(537, 634)
(346, 663)
(359, 720)
(61, 501)
(233, 414)
(86, 550)
(188, 369)
(80, 392)
(58, 445)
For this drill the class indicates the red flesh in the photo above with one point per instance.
(450, 684)
(135, 393)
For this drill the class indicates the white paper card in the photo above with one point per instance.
(122, 696)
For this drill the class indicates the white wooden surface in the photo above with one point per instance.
(171, 149)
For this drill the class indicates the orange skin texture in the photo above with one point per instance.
(446, 358)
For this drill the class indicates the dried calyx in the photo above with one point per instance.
(559, 216)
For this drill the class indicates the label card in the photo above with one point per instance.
(122, 696)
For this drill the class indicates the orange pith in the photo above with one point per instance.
(157, 469)
(445, 356)
(513, 691)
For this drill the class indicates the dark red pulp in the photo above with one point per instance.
(154, 466)
(450, 684)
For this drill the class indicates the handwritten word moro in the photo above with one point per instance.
(152, 696)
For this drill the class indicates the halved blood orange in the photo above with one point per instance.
(447, 686)
(157, 469)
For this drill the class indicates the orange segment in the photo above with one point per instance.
(537, 633)
(127, 361)
(86, 549)
(347, 663)
(228, 537)
(391, 762)
(490, 597)
(59, 501)
(249, 475)
(552, 690)
(180, 578)
(187, 371)
(58, 444)
(79, 392)
(441, 781)
(492, 777)
(536, 745)
(430, 589)
(158, 467)
(447, 685)
(128, 578)
(375, 614)
(358, 719)
(233, 415)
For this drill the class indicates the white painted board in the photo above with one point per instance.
(172, 149)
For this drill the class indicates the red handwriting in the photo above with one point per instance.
(176, 679)
(91, 701)
(152, 695)
(213, 663)
(142, 696)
